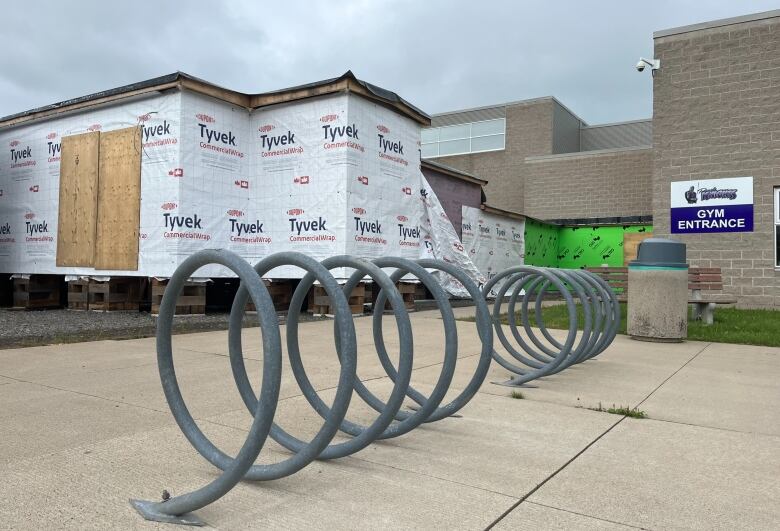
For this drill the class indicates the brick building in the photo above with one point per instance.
(716, 114)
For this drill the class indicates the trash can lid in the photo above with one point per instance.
(660, 252)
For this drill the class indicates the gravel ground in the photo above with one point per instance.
(24, 329)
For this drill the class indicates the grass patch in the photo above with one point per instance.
(622, 410)
(517, 395)
(732, 325)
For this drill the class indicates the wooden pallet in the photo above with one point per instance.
(37, 292)
(115, 295)
(192, 299)
(281, 293)
(78, 294)
(410, 292)
(319, 302)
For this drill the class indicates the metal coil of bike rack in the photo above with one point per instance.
(601, 319)
(600, 325)
(391, 421)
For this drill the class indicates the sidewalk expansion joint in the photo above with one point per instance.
(555, 473)
(587, 515)
(672, 375)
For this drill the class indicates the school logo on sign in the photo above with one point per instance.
(712, 205)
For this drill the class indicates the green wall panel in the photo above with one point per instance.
(541, 244)
(580, 247)
(576, 247)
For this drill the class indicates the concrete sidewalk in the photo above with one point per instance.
(85, 427)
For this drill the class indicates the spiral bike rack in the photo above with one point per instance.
(599, 330)
(601, 312)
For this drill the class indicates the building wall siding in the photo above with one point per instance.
(529, 131)
(590, 185)
(716, 113)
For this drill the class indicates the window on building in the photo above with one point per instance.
(475, 137)
(777, 227)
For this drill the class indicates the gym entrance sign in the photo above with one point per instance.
(712, 205)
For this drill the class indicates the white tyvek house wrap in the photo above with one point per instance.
(325, 176)
(442, 242)
(493, 242)
(29, 186)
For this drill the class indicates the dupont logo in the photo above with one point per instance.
(359, 211)
(169, 206)
(51, 136)
(14, 143)
(363, 180)
(242, 184)
(382, 129)
(34, 188)
(144, 117)
(235, 213)
(466, 227)
(329, 118)
(406, 190)
(29, 215)
(205, 118)
(266, 128)
(295, 212)
(458, 246)
(94, 127)
(402, 219)
(176, 172)
(303, 179)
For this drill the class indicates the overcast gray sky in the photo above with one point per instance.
(439, 55)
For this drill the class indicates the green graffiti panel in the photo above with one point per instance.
(580, 247)
(541, 244)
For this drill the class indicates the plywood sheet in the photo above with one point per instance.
(77, 215)
(631, 241)
(119, 200)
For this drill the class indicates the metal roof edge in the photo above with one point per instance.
(454, 172)
(753, 17)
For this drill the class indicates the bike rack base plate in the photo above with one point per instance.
(145, 508)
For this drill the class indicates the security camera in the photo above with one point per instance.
(654, 65)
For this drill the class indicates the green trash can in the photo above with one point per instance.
(658, 291)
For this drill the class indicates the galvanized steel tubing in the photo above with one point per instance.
(390, 422)
(543, 357)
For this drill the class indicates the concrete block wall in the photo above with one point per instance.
(593, 184)
(716, 113)
(529, 131)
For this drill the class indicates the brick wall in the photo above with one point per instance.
(716, 113)
(528, 132)
(594, 184)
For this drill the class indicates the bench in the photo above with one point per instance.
(701, 280)
(706, 279)
(616, 277)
